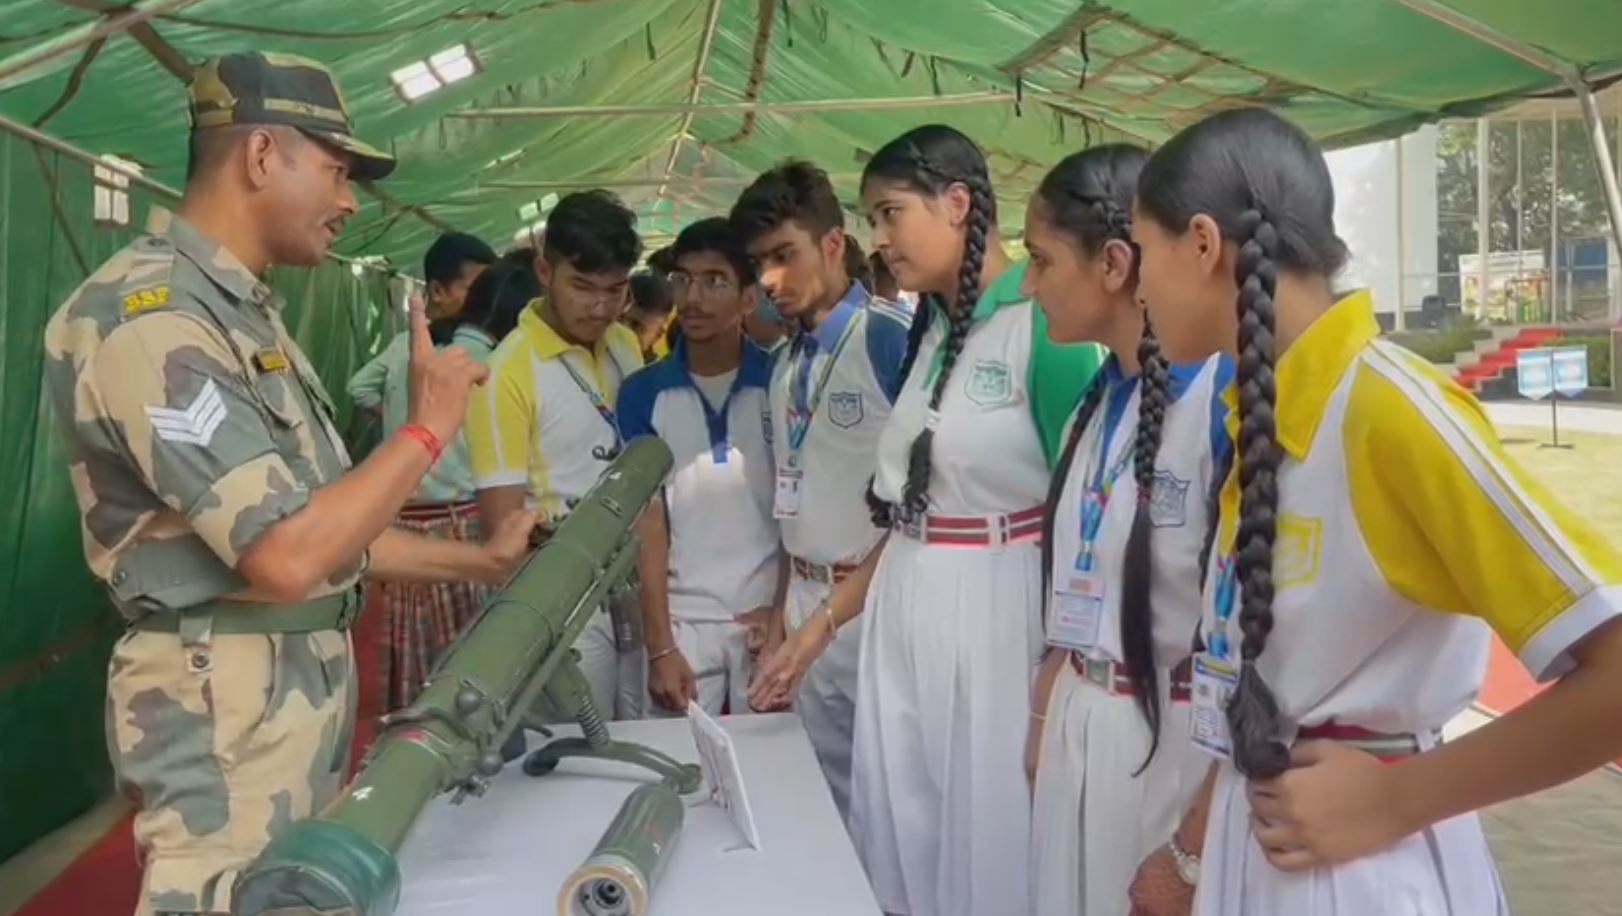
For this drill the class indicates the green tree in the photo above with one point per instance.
(1580, 204)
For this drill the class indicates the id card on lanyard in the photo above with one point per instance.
(1076, 612)
(1216, 672)
(803, 401)
(599, 404)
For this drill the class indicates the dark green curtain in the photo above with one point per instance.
(55, 624)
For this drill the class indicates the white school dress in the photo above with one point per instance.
(831, 392)
(718, 506)
(1095, 817)
(940, 811)
(1404, 533)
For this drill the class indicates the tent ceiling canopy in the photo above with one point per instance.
(675, 104)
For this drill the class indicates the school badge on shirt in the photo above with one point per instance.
(1299, 549)
(1168, 501)
(989, 383)
(845, 408)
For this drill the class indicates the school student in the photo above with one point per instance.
(542, 430)
(831, 392)
(951, 630)
(1127, 521)
(710, 544)
(1372, 536)
(423, 619)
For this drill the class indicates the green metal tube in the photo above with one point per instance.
(619, 877)
(342, 860)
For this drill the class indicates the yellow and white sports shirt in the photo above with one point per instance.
(545, 416)
(1403, 528)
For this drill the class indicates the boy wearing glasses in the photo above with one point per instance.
(542, 429)
(709, 545)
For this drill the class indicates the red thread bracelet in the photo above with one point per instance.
(425, 436)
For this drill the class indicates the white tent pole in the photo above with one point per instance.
(18, 64)
(1483, 213)
(1400, 323)
(55, 144)
(1566, 71)
(733, 108)
(706, 42)
(1607, 175)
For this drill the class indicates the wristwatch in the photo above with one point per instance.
(1188, 864)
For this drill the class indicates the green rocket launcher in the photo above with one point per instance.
(342, 861)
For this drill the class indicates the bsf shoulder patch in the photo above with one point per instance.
(146, 300)
(271, 359)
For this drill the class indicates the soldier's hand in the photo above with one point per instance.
(441, 381)
(671, 682)
(509, 544)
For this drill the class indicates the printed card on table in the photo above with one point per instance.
(723, 778)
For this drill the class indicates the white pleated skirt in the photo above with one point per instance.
(1095, 821)
(1446, 870)
(940, 811)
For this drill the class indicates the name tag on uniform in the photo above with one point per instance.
(1214, 684)
(270, 359)
(1076, 613)
(786, 504)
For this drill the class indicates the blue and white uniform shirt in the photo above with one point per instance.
(831, 391)
(718, 499)
(1101, 493)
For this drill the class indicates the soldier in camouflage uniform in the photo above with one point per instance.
(219, 503)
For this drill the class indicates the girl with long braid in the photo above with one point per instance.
(1127, 520)
(951, 631)
(1372, 537)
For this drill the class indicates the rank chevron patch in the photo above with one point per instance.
(194, 425)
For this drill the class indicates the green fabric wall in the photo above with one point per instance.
(55, 624)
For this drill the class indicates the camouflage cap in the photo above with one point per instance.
(258, 87)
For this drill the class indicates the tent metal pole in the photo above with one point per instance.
(1483, 214)
(78, 37)
(1607, 175)
(1400, 322)
(712, 19)
(40, 138)
(1467, 25)
(1567, 72)
(587, 181)
(734, 108)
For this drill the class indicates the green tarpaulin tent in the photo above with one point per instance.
(673, 104)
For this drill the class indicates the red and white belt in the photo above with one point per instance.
(975, 530)
(1385, 745)
(1116, 677)
(428, 512)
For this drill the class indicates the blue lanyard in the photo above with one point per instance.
(716, 420)
(803, 398)
(1096, 499)
(1227, 595)
(598, 404)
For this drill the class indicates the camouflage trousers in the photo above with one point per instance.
(224, 741)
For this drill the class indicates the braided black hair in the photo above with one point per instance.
(930, 160)
(1137, 564)
(1266, 186)
(1088, 197)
